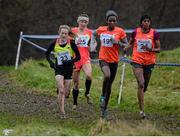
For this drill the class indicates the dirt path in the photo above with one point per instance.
(19, 101)
(16, 100)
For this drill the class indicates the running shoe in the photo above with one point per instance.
(102, 102)
(89, 99)
(104, 113)
(63, 116)
(142, 114)
(74, 107)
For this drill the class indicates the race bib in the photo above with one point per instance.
(106, 40)
(61, 56)
(82, 40)
(143, 43)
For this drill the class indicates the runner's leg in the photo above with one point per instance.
(61, 94)
(106, 71)
(147, 75)
(76, 86)
(113, 70)
(88, 72)
(67, 87)
(138, 72)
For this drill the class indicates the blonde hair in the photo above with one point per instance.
(83, 16)
(64, 27)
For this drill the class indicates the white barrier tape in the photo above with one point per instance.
(95, 60)
(123, 59)
(126, 30)
(35, 45)
(168, 30)
(126, 60)
(40, 36)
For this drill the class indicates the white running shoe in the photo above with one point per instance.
(142, 114)
(89, 99)
(74, 107)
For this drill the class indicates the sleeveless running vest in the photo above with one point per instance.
(63, 53)
(82, 41)
(139, 55)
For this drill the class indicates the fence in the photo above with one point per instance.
(27, 37)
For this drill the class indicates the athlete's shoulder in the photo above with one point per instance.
(154, 30)
(102, 28)
(74, 29)
(89, 31)
(137, 30)
(155, 33)
(119, 29)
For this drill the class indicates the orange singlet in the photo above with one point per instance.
(109, 52)
(83, 46)
(143, 39)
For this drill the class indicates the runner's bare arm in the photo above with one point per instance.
(93, 43)
(157, 46)
(123, 42)
(75, 49)
(130, 44)
(48, 52)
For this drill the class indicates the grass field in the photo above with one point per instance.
(29, 102)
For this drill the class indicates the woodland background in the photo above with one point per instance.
(45, 16)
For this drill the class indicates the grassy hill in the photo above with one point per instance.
(29, 102)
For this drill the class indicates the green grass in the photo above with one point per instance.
(120, 127)
(6, 68)
(33, 126)
(36, 75)
(162, 98)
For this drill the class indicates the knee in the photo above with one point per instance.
(76, 85)
(107, 76)
(61, 92)
(145, 88)
(88, 77)
(141, 85)
(67, 90)
(61, 88)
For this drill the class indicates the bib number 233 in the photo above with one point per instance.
(61, 56)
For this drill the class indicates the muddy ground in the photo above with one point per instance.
(17, 100)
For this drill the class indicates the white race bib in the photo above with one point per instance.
(61, 56)
(106, 40)
(141, 43)
(82, 40)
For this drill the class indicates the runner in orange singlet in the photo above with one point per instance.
(82, 38)
(146, 44)
(111, 37)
